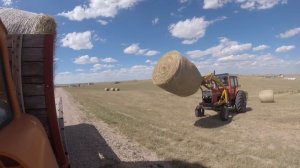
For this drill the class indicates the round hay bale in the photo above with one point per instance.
(176, 74)
(23, 22)
(112, 89)
(117, 89)
(266, 96)
(106, 89)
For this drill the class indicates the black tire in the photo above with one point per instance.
(224, 113)
(241, 102)
(199, 111)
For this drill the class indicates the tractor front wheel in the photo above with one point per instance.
(241, 102)
(224, 113)
(199, 111)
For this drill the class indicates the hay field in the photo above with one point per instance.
(268, 135)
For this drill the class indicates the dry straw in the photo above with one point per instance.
(176, 74)
(23, 22)
(266, 96)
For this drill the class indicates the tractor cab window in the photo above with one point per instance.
(232, 81)
(5, 113)
(224, 80)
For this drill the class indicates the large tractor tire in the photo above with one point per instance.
(241, 101)
(199, 111)
(224, 113)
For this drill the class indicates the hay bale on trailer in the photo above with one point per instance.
(266, 96)
(23, 22)
(176, 74)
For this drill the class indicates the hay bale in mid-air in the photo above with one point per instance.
(117, 89)
(176, 74)
(112, 89)
(106, 89)
(266, 96)
(23, 22)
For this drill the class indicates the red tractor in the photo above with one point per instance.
(221, 92)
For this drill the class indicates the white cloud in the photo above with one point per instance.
(225, 48)
(7, 2)
(137, 72)
(79, 70)
(103, 22)
(85, 59)
(64, 73)
(150, 62)
(244, 4)
(78, 40)
(183, 1)
(261, 47)
(98, 8)
(191, 30)
(285, 48)
(290, 33)
(136, 50)
(214, 4)
(98, 67)
(109, 60)
(155, 21)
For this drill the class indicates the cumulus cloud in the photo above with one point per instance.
(155, 21)
(64, 73)
(97, 67)
(136, 50)
(103, 22)
(244, 4)
(150, 62)
(109, 60)
(290, 33)
(85, 59)
(191, 30)
(261, 47)
(285, 48)
(226, 47)
(98, 8)
(78, 40)
(183, 1)
(7, 2)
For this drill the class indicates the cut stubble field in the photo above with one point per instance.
(267, 135)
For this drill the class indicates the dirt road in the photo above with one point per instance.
(92, 144)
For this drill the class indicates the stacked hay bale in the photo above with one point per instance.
(23, 22)
(176, 74)
(266, 96)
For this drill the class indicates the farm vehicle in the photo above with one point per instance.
(221, 92)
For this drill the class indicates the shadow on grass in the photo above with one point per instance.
(88, 149)
(215, 121)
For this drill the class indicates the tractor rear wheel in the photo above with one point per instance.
(240, 101)
(224, 113)
(199, 111)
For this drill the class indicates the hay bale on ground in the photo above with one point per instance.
(117, 89)
(266, 96)
(23, 22)
(106, 89)
(112, 89)
(176, 74)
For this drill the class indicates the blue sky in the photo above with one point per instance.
(109, 40)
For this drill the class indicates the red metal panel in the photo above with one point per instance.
(50, 102)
